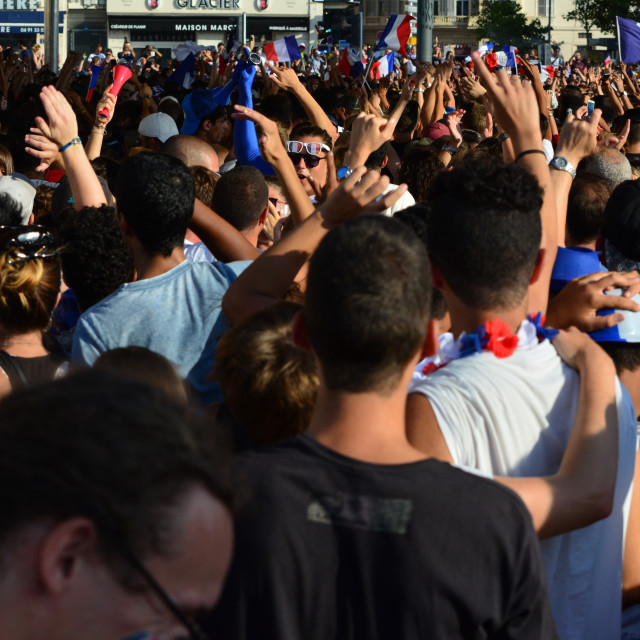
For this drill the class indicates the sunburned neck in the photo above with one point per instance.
(150, 266)
(364, 426)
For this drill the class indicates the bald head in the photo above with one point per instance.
(193, 152)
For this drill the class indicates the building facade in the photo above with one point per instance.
(455, 22)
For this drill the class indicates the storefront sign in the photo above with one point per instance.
(201, 8)
(26, 21)
(151, 23)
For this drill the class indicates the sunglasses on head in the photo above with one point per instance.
(26, 242)
(312, 148)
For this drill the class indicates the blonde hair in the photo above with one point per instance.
(269, 384)
(28, 293)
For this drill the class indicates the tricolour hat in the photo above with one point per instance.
(158, 125)
(199, 104)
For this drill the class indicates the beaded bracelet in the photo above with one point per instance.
(70, 144)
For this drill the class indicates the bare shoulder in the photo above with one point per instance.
(423, 430)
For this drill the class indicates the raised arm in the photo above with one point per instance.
(271, 275)
(99, 129)
(583, 489)
(245, 139)
(273, 152)
(62, 128)
(224, 241)
(516, 108)
(286, 78)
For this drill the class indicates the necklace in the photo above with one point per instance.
(494, 335)
(11, 344)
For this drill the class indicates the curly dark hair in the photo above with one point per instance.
(420, 166)
(484, 232)
(95, 257)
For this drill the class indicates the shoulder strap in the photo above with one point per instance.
(13, 370)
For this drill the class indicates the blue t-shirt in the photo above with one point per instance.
(177, 314)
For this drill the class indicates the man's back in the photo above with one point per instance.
(513, 417)
(334, 547)
(176, 314)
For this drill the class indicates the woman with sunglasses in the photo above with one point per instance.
(29, 287)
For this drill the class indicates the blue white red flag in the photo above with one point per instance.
(383, 67)
(284, 50)
(511, 56)
(351, 63)
(628, 40)
(396, 34)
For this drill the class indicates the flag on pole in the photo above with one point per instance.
(485, 48)
(185, 73)
(232, 46)
(284, 50)
(628, 40)
(396, 34)
(607, 61)
(351, 63)
(383, 67)
(511, 56)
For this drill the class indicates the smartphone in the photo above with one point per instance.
(591, 105)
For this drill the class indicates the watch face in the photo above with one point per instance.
(561, 163)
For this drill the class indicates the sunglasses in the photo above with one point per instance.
(312, 148)
(310, 161)
(27, 242)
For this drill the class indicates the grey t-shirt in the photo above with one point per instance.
(177, 314)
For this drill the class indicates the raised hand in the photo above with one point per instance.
(360, 193)
(271, 148)
(62, 126)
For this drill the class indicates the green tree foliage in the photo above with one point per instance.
(586, 13)
(602, 13)
(503, 22)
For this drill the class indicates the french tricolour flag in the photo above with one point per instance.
(351, 63)
(283, 50)
(396, 34)
(382, 67)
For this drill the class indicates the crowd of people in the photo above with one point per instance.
(293, 354)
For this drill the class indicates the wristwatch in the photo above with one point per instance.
(343, 172)
(449, 149)
(562, 164)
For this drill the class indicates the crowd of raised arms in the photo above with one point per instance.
(292, 355)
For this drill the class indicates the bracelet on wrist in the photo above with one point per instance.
(99, 130)
(528, 151)
(70, 144)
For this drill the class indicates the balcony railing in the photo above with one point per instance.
(469, 22)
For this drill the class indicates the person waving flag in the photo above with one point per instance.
(396, 34)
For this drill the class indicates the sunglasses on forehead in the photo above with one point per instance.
(312, 148)
(27, 242)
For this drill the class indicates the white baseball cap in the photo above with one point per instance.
(22, 191)
(158, 125)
